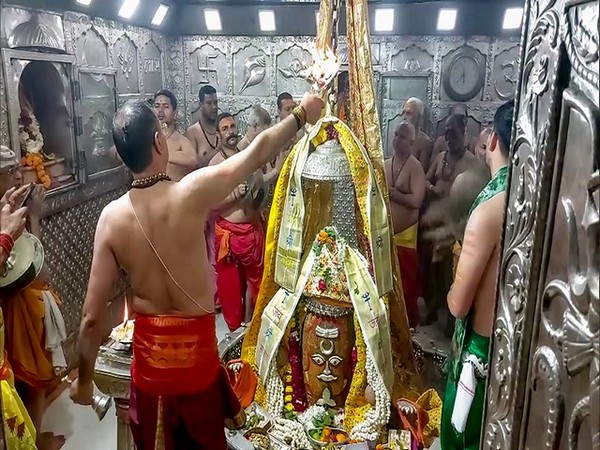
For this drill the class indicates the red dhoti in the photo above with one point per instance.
(240, 249)
(180, 394)
(406, 247)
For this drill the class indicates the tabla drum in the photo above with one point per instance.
(24, 264)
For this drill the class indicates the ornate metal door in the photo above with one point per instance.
(544, 381)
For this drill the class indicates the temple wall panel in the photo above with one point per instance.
(480, 72)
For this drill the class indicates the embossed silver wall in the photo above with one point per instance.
(480, 72)
(544, 388)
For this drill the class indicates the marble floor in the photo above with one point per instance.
(80, 425)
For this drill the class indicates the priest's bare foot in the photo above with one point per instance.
(50, 441)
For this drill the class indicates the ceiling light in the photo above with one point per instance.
(84, 2)
(128, 8)
(384, 19)
(512, 18)
(212, 19)
(160, 14)
(266, 18)
(446, 19)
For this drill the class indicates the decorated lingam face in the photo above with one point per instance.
(327, 356)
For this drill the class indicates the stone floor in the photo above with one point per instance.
(80, 424)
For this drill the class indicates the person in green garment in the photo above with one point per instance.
(472, 298)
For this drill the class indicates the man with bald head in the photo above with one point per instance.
(153, 232)
(406, 183)
(414, 111)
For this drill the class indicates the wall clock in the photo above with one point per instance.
(464, 76)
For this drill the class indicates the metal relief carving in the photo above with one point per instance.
(126, 60)
(506, 73)
(570, 300)
(3, 112)
(541, 273)
(91, 49)
(97, 109)
(152, 67)
(412, 59)
(175, 80)
(25, 28)
(251, 75)
(581, 36)
(292, 70)
(206, 64)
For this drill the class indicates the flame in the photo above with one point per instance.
(126, 312)
(324, 68)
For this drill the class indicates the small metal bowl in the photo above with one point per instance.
(318, 444)
(261, 432)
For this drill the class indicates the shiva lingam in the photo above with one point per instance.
(112, 376)
(328, 328)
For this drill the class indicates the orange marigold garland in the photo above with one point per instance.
(36, 161)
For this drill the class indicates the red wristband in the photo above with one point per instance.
(6, 243)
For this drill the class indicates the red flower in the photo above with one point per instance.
(322, 286)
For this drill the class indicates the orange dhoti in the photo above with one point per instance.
(24, 314)
(406, 247)
(180, 394)
(240, 249)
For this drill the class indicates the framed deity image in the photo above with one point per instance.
(42, 117)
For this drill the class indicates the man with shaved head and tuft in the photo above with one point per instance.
(406, 183)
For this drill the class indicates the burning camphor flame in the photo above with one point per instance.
(323, 69)
(126, 312)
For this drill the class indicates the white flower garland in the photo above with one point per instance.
(291, 433)
(274, 388)
(379, 415)
(31, 145)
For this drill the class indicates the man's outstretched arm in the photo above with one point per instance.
(213, 184)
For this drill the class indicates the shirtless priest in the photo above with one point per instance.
(183, 157)
(203, 134)
(406, 183)
(472, 299)
(152, 233)
(240, 235)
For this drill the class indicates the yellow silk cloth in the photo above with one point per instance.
(408, 237)
(24, 313)
(19, 431)
(365, 125)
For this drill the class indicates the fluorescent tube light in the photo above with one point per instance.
(212, 18)
(160, 14)
(446, 19)
(512, 18)
(128, 8)
(384, 19)
(266, 18)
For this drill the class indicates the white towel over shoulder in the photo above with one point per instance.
(56, 332)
